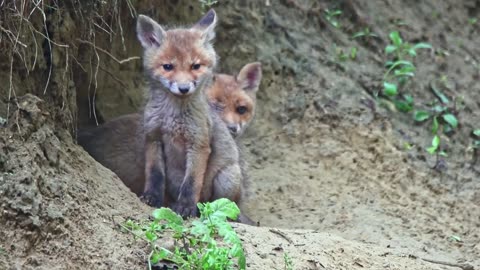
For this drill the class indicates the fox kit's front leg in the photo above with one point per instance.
(154, 190)
(191, 187)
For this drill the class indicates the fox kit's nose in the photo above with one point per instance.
(184, 90)
(233, 128)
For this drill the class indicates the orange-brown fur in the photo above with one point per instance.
(234, 97)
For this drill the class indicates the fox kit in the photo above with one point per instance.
(234, 97)
(119, 144)
(189, 153)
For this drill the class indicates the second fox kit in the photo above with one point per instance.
(189, 153)
(234, 97)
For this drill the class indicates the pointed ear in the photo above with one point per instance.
(149, 32)
(207, 25)
(250, 76)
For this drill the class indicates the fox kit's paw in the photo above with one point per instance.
(242, 218)
(152, 199)
(185, 210)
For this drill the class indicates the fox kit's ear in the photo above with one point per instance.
(207, 24)
(250, 76)
(149, 32)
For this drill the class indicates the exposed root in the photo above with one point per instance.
(109, 54)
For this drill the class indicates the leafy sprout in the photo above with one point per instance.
(207, 3)
(331, 15)
(196, 247)
(364, 33)
(288, 261)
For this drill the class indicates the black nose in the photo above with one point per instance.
(184, 90)
(233, 129)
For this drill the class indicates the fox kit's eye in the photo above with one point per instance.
(196, 66)
(241, 109)
(168, 67)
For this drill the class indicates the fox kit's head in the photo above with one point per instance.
(180, 59)
(234, 98)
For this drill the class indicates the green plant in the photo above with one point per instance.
(344, 56)
(399, 69)
(441, 116)
(288, 261)
(476, 143)
(195, 245)
(364, 33)
(401, 48)
(472, 21)
(331, 15)
(207, 3)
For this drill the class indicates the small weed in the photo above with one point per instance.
(353, 53)
(400, 69)
(476, 144)
(401, 48)
(344, 56)
(207, 4)
(407, 146)
(441, 116)
(288, 261)
(364, 33)
(196, 247)
(331, 15)
(455, 238)
(472, 21)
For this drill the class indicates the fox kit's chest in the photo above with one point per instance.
(179, 135)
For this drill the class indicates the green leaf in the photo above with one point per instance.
(476, 144)
(403, 106)
(150, 236)
(408, 99)
(336, 13)
(422, 45)
(405, 71)
(439, 94)
(456, 238)
(159, 255)
(476, 132)
(358, 34)
(443, 154)
(225, 208)
(435, 144)
(439, 108)
(168, 215)
(412, 52)
(435, 125)
(390, 49)
(200, 228)
(353, 53)
(407, 146)
(451, 120)
(447, 128)
(421, 116)
(390, 89)
(396, 64)
(396, 39)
